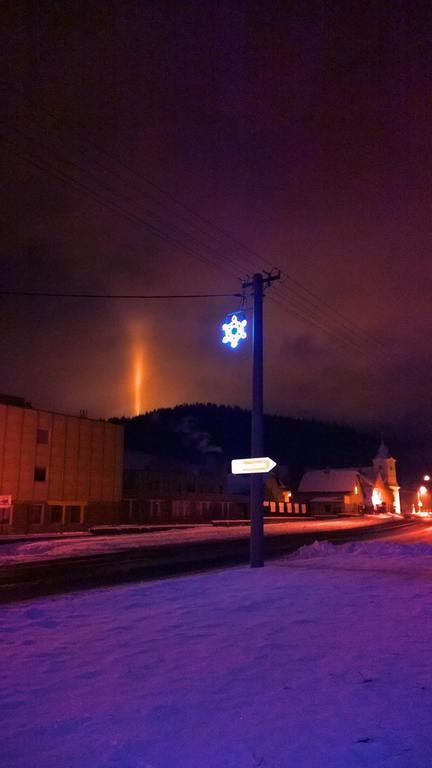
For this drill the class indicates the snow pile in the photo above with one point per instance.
(381, 549)
(302, 665)
(376, 556)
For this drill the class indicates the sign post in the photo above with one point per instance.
(234, 332)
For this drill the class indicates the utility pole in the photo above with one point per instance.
(257, 427)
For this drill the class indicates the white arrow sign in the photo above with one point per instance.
(252, 466)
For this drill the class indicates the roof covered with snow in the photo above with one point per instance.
(369, 474)
(329, 480)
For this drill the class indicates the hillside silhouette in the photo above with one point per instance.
(190, 433)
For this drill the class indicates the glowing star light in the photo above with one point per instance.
(234, 331)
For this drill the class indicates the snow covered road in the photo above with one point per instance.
(318, 660)
(32, 550)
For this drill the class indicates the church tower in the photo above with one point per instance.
(385, 464)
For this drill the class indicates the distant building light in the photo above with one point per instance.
(422, 490)
(376, 497)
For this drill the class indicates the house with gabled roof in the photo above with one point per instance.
(353, 491)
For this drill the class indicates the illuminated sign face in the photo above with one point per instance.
(234, 331)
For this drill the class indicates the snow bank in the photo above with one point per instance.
(361, 548)
(381, 555)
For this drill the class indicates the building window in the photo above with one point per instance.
(202, 507)
(42, 436)
(40, 474)
(35, 514)
(225, 508)
(56, 513)
(5, 515)
(181, 508)
(155, 508)
(73, 512)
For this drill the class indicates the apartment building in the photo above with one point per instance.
(57, 472)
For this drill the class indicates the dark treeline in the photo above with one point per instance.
(188, 433)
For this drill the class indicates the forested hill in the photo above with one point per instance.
(190, 432)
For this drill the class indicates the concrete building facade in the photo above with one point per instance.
(57, 472)
(151, 496)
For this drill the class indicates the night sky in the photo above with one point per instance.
(138, 133)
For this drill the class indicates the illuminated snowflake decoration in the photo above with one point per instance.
(234, 331)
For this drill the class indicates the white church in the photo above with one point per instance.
(354, 490)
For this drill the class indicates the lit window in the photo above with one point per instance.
(377, 499)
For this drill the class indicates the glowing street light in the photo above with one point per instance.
(426, 478)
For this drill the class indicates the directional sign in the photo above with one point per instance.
(252, 466)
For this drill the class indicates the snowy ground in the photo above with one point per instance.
(320, 660)
(68, 547)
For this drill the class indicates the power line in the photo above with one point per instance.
(288, 307)
(121, 295)
(295, 309)
(329, 313)
(66, 177)
(111, 204)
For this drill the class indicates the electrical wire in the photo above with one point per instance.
(297, 308)
(293, 310)
(120, 295)
(329, 312)
(111, 204)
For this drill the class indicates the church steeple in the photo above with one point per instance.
(385, 464)
(383, 452)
